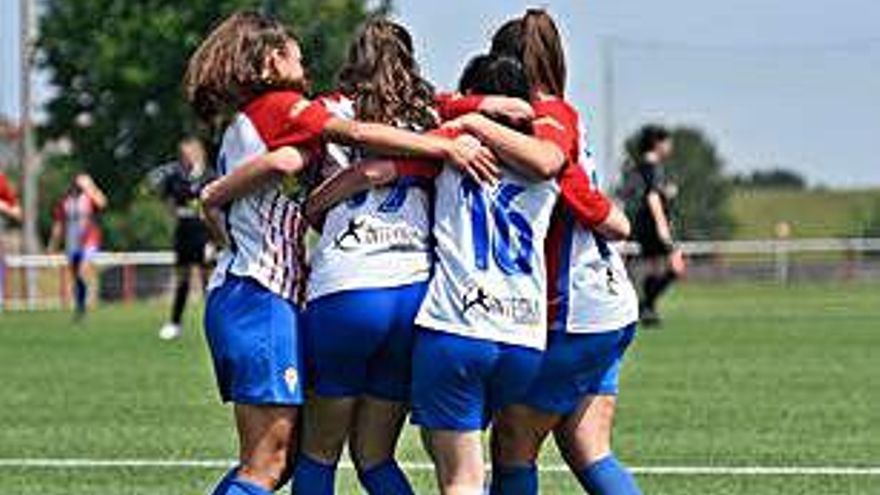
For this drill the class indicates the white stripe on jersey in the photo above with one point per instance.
(378, 239)
(490, 277)
(264, 227)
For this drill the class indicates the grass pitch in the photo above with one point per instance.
(741, 375)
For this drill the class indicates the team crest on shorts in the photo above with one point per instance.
(291, 377)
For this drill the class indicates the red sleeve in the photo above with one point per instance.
(452, 105)
(419, 167)
(7, 193)
(587, 204)
(286, 118)
(556, 122)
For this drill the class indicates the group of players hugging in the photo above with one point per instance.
(463, 272)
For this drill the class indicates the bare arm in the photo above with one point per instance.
(92, 191)
(55, 237)
(616, 226)
(216, 229)
(12, 211)
(345, 184)
(479, 162)
(535, 157)
(247, 178)
(655, 205)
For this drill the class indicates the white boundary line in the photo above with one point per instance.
(424, 466)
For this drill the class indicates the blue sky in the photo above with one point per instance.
(773, 82)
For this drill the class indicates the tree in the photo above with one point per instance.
(701, 203)
(774, 178)
(118, 64)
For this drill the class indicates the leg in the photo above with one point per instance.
(182, 272)
(378, 424)
(326, 425)
(584, 439)
(266, 436)
(458, 460)
(80, 289)
(517, 435)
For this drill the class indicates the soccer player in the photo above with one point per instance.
(9, 209)
(482, 324)
(181, 183)
(653, 226)
(368, 275)
(250, 67)
(75, 223)
(591, 306)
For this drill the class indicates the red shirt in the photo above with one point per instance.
(7, 193)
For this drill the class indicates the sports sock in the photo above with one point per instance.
(514, 480)
(608, 477)
(311, 477)
(179, 301)
(80, 293)
(232, 485)
(385, 478)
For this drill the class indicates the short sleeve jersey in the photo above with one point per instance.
(266, 228)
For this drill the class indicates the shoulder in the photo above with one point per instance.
(286, 118)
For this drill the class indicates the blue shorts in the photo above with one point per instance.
(359, 342)
(79, 256)
(577, 365)
(255, 345)
(460, 382)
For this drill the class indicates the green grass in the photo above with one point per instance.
(742, 375)
(811, 213)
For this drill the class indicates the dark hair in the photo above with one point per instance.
(535, 41)
(226, 70)
(491, 75)
(649, 137)
(382, 76)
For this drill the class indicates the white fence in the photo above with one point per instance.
(42, 281)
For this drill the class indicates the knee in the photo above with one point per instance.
(515, 442)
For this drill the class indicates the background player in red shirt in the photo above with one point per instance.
(75, 224)
(9, 209)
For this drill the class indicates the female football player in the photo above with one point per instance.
(368, 276)
(592, 307)
(248, 73)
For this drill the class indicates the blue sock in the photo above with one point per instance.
(80, 292)
(514, 480)
(312, 477)
(608, 477)
(385, 479)
(231, 485)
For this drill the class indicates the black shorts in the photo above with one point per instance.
(190, 238)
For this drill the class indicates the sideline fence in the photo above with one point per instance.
(130, 276)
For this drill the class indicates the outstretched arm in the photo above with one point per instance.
(347, 183)
(478, 162)
(254, 174)
(536, 157)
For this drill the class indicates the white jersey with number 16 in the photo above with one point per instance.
(489, 277)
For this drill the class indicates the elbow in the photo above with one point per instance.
(551, 163)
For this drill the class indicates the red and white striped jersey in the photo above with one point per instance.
(266, 228)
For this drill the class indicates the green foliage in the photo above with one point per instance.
(871, 225)
(118, 66)
(146, 224)
(701, 206)
(774, 178)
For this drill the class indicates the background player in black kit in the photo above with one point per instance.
(653, 228)
(180, 183)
